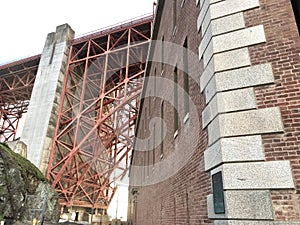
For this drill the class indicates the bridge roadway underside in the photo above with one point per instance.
(16, 84)
(81, 97)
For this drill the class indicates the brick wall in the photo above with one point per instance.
(173, 189)
(180, 198)
(282, 50)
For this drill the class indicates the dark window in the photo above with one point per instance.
(175, 100)
(154, 133)
(186, 77)
(187, 208)
(148, 157)
(162, 130)
(175, 209)
(296, 8)
(145, 120)
(76, 216)
(174, 13)
(144, 167)
(162, 54)
(149, 108)
(154, 82)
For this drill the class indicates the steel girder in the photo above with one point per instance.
(16, 83)
(99, 106)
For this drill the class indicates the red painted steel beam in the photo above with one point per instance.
(99, 105)
(16, 83)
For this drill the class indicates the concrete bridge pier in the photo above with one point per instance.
(39, 127)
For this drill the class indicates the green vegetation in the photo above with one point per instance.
(25, 165)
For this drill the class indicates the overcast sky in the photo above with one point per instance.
(24, 24)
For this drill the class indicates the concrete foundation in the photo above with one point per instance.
(18, 147)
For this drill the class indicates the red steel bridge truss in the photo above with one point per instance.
(99, 105)
(16, 83)
(97, 113)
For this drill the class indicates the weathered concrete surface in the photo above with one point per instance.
(39, 127)
(18, 147)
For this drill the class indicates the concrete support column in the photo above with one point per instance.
(231, 116)
(42, 114)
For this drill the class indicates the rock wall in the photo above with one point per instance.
(23, 189)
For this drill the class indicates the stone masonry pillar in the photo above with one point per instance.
(39, 127)
(242, 178)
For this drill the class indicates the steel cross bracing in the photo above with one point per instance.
(99, 105)
(16, 83)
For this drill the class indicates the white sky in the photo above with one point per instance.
(24, 24)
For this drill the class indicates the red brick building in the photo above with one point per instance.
(218, 133)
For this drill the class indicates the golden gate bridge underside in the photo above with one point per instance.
(97, 112)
